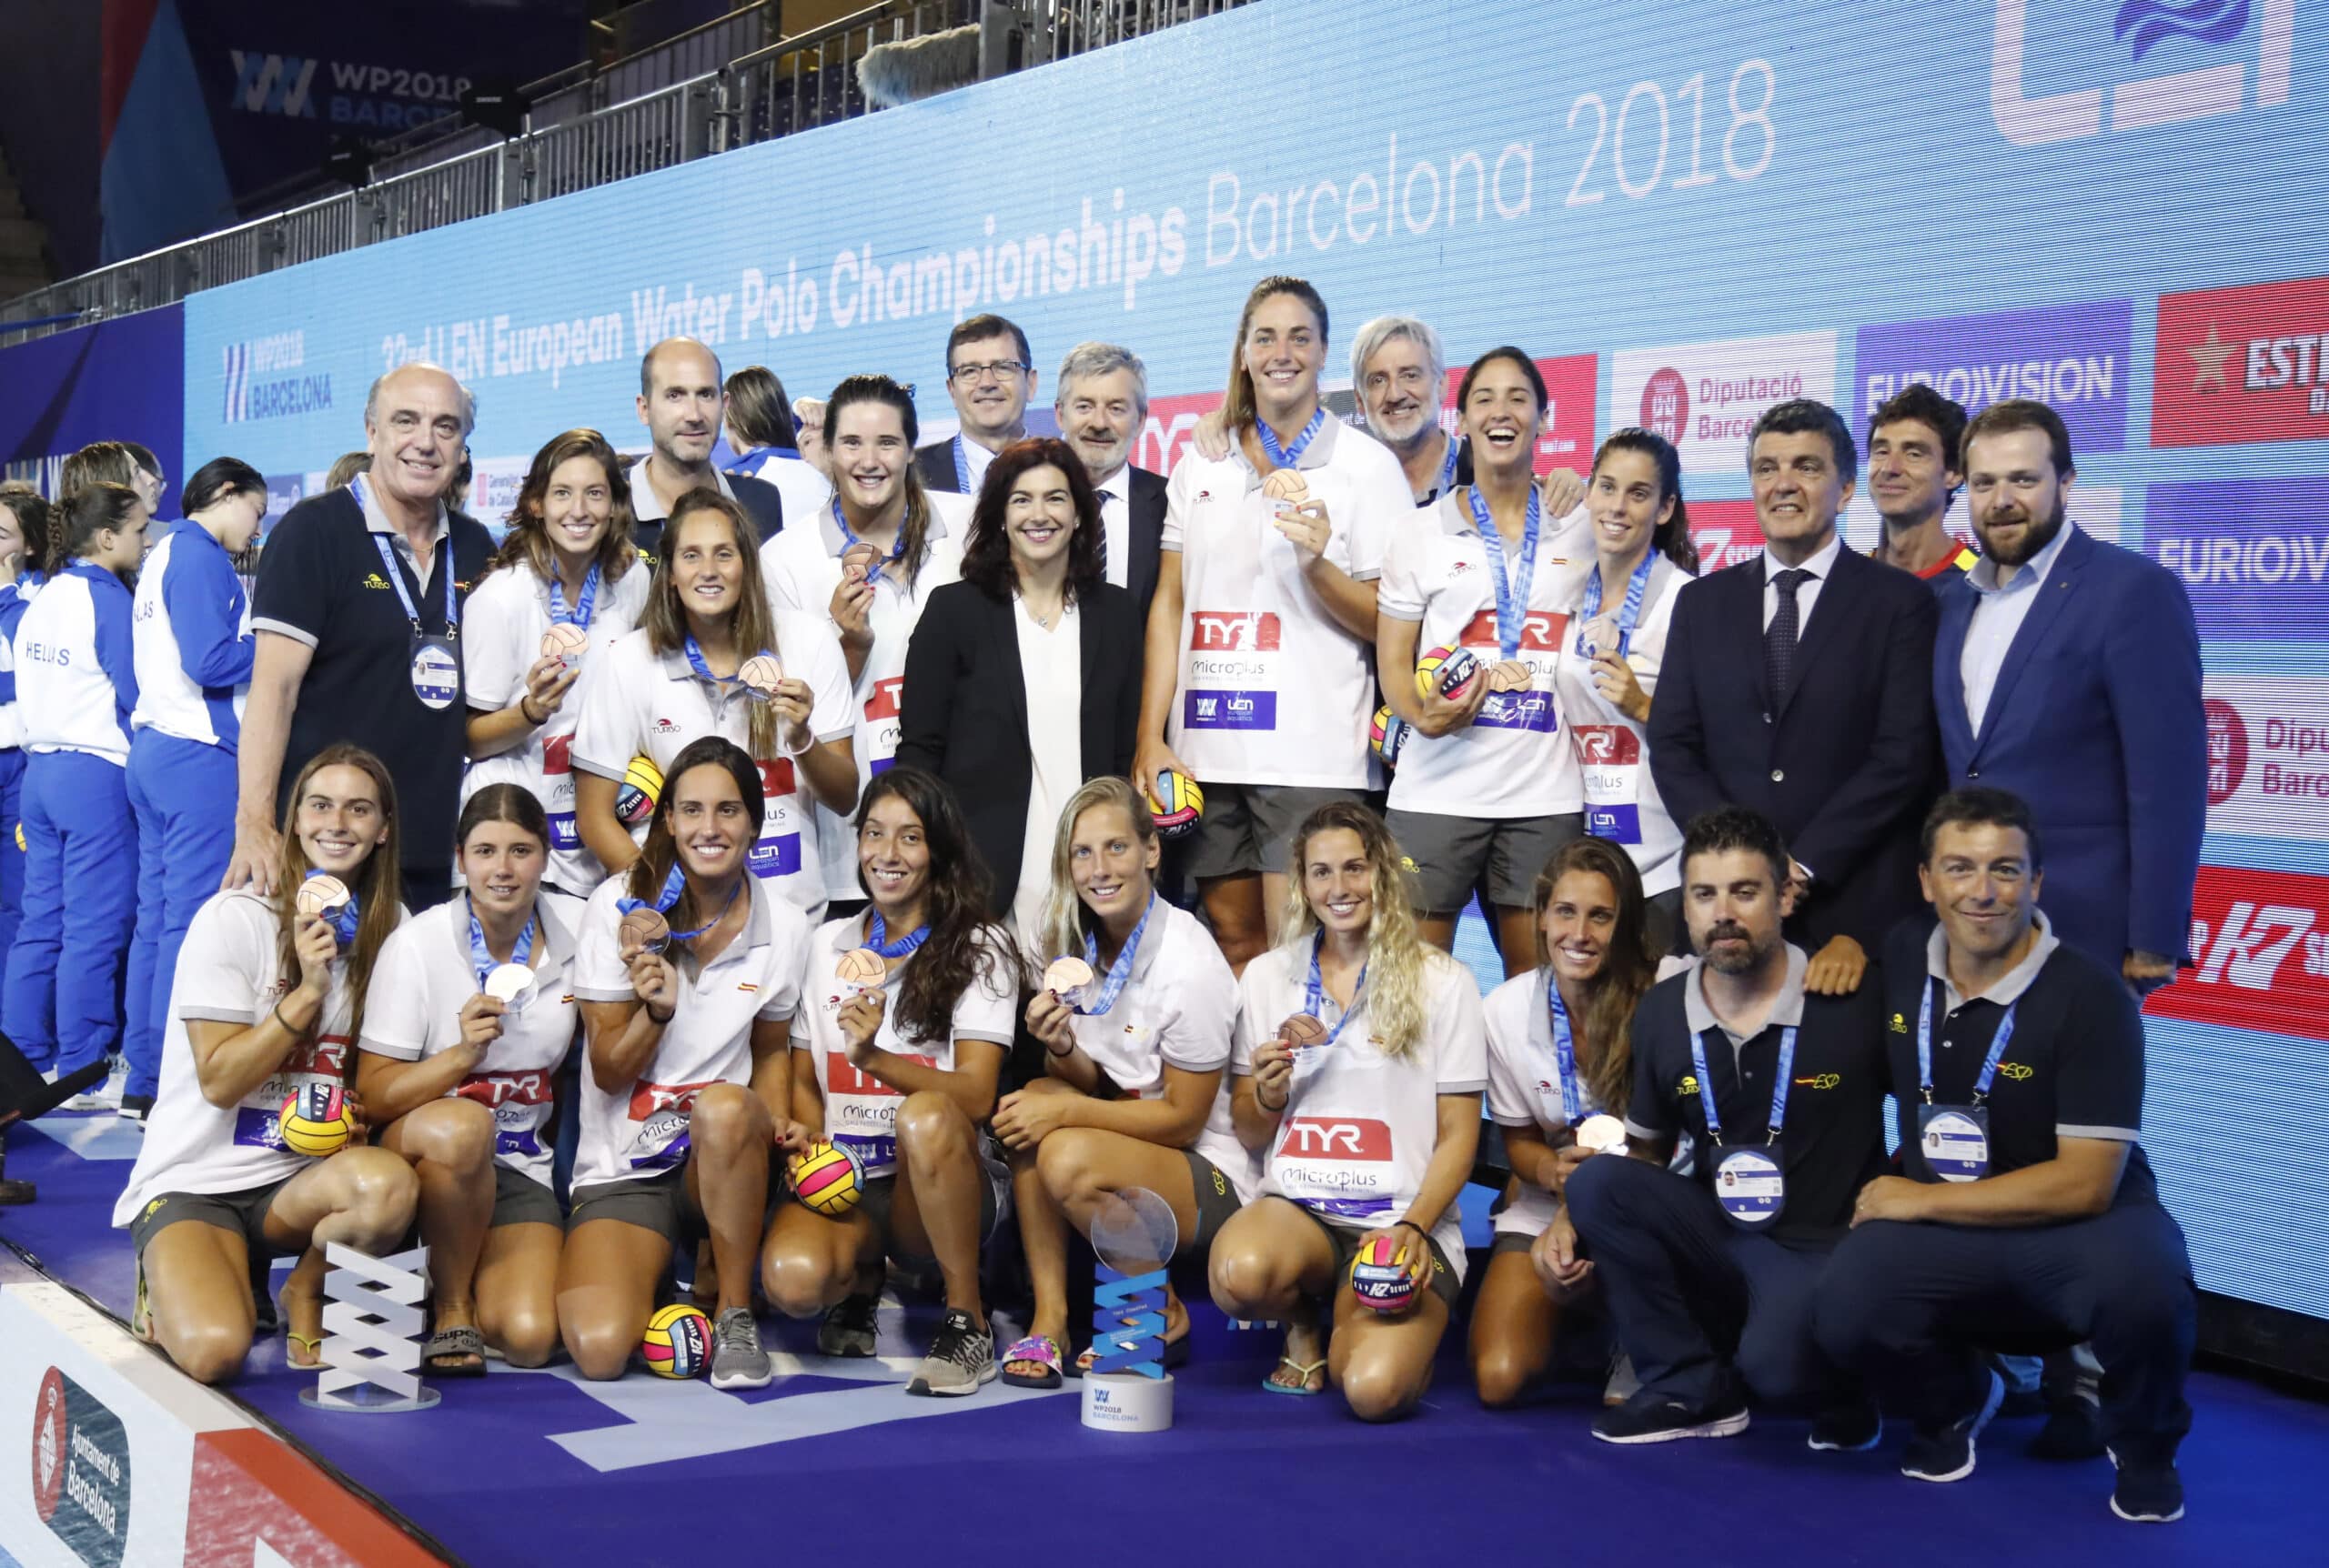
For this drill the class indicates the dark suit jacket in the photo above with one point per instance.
(1147, 513)
(762, 502)
(964, 709)
(936, 462)
(2096, 720)
(1845, 766)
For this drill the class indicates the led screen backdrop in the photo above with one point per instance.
(1692, 210)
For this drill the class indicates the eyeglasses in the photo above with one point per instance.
(1000, 370)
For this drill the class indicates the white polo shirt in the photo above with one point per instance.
(860, 1111)
(427, 973)
(1514, 760)
(1362, 1125)
(1621, 799)
(503, 626)
(638, 702)
(1270, 689)
(229, 974)
(1525, 1085)
(634, 1132)
(803, 568)
(1178, 1009)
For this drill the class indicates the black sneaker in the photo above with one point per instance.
(1948, 1454)
(1653, 1417)
(2147, 1493)
(137, 1107)
(1854, 1426)
(2074, 1430)
(960, 1359)
(848, 1327)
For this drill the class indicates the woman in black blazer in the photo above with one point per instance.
(1033, 616)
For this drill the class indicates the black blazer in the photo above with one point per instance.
(1845, 766)
(762, 502)
(964, 709)
(1147, 514)
(936, 462)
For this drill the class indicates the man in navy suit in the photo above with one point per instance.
(1797, 684)
(2068, 671)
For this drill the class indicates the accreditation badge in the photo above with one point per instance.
(1750, 1187)
(1955, 1141)
(436, 673)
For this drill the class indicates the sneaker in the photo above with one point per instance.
(1948, 1454)
(737, 1358)
(116, 1082)
(960, 1358)
(2073, 1429)
(1622, 1385)
(1653, 1417)
(848, 1327)
(2147, 1493)
(1853, 1426)
(137, 1107)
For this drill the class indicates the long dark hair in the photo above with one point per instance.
(661, 851)
(31, 510)
(915, 531)
(378, 888)
(1605, 1021)
(1519, 357)
(511, 803)
(89, 511)
(753, 622)
(527, 539)
(986, 557)
(962, 941)
(217, 479)
(1672, 539)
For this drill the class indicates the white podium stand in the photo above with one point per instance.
(372, 1328)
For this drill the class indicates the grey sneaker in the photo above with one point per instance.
(848, 1329)
(960, 1358)
(737, 1358)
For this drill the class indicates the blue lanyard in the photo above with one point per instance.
(395, 574)
(585, 603)
(1511, 602)
(483, 960)
(1779, 1088)
(1565, 1052)
(344, 920)
(877, 935)
(1120, 971)
(674, 884)
(961, 465)
(1314, 994)
(1447, 469)
(1288, 457)
(1998, 1042)
(849, 536)
(1628, 615)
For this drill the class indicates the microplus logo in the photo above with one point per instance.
(257, 387)
(2138, 29)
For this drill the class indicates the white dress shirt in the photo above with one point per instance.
(1115, 518)
(1807, 593)
(1998, 615)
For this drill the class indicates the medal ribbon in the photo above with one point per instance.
(877, 937)
(481, 960)
(585, 603)
(1779, 1088)
(343, 920)
(1564, 1052)
(1314, 993)
(849, 535)
(1121, 971)
(673, 886)
(1628, 615)
(1998, 1042)
(1511, 602)
(1288, 457)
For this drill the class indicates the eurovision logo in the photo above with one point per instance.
(2242, 365)
(1705, 396)
(2253, 553)
(2131, 44)
(2075, 358)
(2262, 948)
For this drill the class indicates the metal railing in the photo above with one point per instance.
(580, 138)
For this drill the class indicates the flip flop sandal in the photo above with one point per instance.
(1039, 1350)
(315, 1347)
(1306, 1370)
(462, 1340)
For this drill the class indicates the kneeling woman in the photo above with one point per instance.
(1359, 1061)
(1134, 1094)
(1558, 1052)
(913, 1003)
(688, 973)
(265, 1002)
(473, 1014)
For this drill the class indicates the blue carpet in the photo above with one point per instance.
(536, 1468)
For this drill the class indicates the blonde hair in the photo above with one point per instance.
(1397, 960)
(1067, 923)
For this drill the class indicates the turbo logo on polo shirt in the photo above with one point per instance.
(2242, 365)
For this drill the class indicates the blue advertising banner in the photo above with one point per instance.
(115, 381)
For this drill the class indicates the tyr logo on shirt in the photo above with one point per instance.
(843, 1077)
(887, 695)
(1233, 631)
(1335, 1137)
(646, 1098)
(1607, 745)
(776, 777)
(1540, 631)
(496, 1089)
(557, 754)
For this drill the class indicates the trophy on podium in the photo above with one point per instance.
(1128, 1389)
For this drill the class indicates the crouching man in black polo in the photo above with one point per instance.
(1710, 1276)
(2028, 1218)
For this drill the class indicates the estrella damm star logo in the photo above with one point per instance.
(1900, 1024)
(1821, 1081)
(375, 580)
(2017, 1070)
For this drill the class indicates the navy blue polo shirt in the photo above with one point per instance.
(1831, 1139)
(2074, 1067)
(320, 581)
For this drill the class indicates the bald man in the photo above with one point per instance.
(357, 616)
(684, 401)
